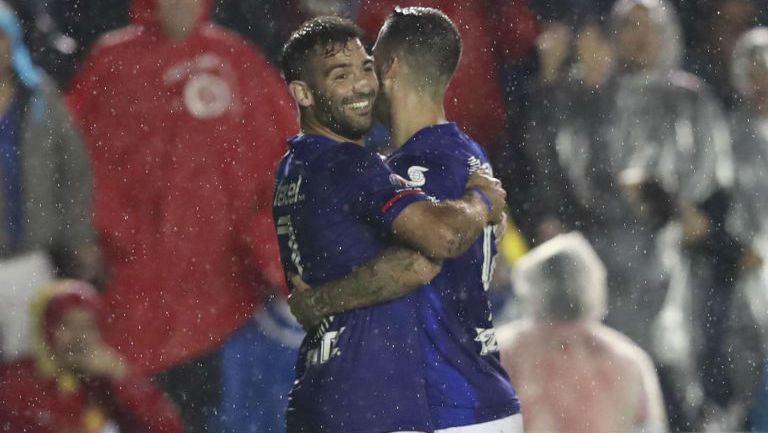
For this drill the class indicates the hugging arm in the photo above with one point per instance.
(448, 228)
(394, 273)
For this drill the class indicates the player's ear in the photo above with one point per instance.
(389, 71)
(390, 68)
(301, 93)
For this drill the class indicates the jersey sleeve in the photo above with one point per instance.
(378, 194)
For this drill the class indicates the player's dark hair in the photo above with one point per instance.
(321, 33)
(427, 38)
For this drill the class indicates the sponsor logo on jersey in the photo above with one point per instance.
(415, 175)
(487, 340)
(397, 180)
(288, 193)
(326, 344)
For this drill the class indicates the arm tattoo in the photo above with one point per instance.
(395, 273)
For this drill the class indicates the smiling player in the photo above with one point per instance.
(337, 207)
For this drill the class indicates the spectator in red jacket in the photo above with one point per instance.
(185, 123)
(77, 383)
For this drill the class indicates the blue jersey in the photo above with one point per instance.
(465, 381)
(360, 371)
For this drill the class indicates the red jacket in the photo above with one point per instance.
(474, 99)
(184, 136)
(32, 404)
(516, 30)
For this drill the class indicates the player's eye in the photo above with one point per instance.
(339, 77)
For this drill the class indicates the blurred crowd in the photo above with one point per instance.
(138, 140)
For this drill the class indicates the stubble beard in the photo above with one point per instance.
(335, 119)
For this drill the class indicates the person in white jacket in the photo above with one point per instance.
(573, 373)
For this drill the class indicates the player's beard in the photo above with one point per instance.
(331, 114)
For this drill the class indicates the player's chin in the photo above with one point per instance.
(360, 126)
(356, 133)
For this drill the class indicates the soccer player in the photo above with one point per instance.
(467, 390)
(337, 206)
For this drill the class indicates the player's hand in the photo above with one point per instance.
(302, 303)
(299, 284)
(491, 187)
(304, 310)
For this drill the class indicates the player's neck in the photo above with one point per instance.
(413, 111)
(310, 125)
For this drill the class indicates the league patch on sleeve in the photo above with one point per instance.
(398, 181)
(415, 175)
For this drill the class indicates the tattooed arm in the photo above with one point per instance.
(448, 228)
(396, 272)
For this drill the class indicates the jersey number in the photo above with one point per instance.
(489, 259)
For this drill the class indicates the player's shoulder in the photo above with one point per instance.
(474, 148)
(342, 157)
(463, 147)
(442, 150)
(354, 153)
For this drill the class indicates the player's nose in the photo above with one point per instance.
(366, 85)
